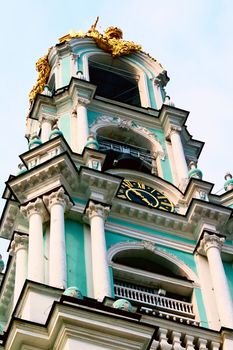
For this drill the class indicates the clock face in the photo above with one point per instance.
(140, 193)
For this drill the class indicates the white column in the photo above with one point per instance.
(19, 248)
(46, 127)
(211, 245)
(178, 154)
(82, 123)
(57, 202)
(34, 211)
(97, 214)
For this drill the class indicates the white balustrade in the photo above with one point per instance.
(160, 302)
(168, 339)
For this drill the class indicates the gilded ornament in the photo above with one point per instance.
(111, 41)
(42, 66)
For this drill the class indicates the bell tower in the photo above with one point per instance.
(115, 239)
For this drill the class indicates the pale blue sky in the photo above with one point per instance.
(191, 38)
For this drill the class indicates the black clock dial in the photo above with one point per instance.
(140, 193)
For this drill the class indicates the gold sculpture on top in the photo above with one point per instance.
(111, 41)
(42, 66)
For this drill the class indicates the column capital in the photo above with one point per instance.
(173, 129)
(210, 241)
(19, 242)
(97, 209)
(36, 207)
(82, 101)
(48, 118)
(58, 197)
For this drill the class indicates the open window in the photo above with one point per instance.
(115, 79)
(126, 149)
(152, 281)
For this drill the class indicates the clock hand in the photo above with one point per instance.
(142, 197)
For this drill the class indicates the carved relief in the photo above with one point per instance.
(97, 209)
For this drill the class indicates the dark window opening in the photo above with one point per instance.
(114, 83)
(125, 156)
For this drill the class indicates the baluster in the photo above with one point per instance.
(163, 339)
(202, 344)
(188, 339)
(215, 345)
(154, 345)
(176, 342)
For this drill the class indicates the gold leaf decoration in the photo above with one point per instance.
(111, 41)
(42, 66)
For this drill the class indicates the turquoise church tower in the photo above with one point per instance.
(115, 239)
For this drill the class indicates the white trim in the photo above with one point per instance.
(119, 247)
(184, 247)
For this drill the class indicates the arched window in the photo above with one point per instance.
(115, 79)
(153, 281)
(125, 149)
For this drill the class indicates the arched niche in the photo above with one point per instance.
(172, 263)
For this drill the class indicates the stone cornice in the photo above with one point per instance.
(7, 288)
(57, 171)
(8, 219)
(99, 186)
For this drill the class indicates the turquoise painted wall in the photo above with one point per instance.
(92, 116)
(65, 127)
(114, 238)
(229, 274)
(76, 269)
(142, 229)
(66, 72)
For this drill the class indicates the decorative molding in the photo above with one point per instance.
(19, 242)
(58, 197)
(97, 209)
(210, 241)
(32, 208)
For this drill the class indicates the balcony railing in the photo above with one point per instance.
(137, 152)
(162, 303)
